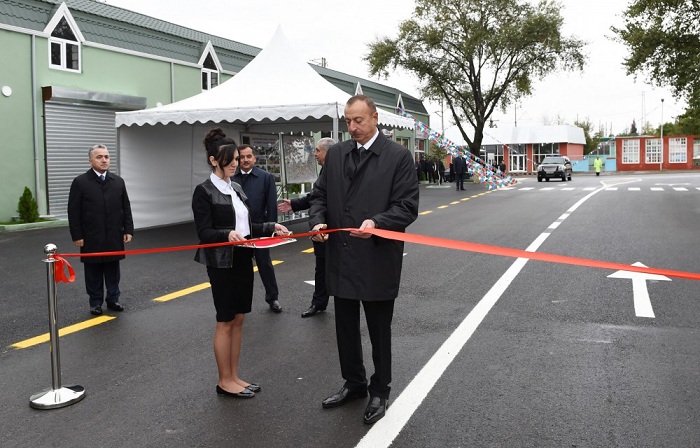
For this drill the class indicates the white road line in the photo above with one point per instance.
(611, 189)
(554, 225)
(564, 216)
(526, 188)
(546, 188)
(680, 188)
(589, 189)
(383, 433)
(633, 189)
(568, 188)
(657, 189)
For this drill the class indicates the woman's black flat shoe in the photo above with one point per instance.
(254, 387)
(245, 393)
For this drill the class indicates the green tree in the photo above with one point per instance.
(591, 143)
(663, 39)
(478, 55)
(27, 207)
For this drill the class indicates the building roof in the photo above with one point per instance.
(523, 135)
(117, 27)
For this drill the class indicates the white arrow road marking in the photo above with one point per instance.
(310, 282)
(642, 302)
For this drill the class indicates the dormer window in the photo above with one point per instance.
(211, 67)
(210, 75)
(64, 41)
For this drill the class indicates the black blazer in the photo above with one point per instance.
(215, 218)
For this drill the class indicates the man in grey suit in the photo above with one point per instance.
(367, 182)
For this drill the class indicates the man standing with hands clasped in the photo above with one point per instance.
(367, 182)
(99, 219)
(319, 302)
(259, 187)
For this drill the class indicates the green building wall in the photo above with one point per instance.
(17, 169)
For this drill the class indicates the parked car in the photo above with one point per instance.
(554, 166)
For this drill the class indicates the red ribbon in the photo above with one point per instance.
(408, 238)
(59, 270)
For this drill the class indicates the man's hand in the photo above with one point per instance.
(127, 238)
(79, 243)
(321, 237)
(285, 206)
(360, 233)
(281, 230)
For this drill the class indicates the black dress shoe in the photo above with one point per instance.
(115, 306)
(245, 393)
(96, 310)
(375, 410)
(254, 387)
(275, 306)
(343, 396)
(313, 309)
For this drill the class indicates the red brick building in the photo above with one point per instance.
(645, 153)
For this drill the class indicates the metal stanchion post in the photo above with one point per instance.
(57, 396)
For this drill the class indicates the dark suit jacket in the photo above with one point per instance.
(259, 186)
(460, 165)
(99, 214)
(382, 187)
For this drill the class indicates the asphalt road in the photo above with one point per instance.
(489, 351)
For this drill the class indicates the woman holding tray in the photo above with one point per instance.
(221, 215)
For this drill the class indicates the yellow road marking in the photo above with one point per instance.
(274, 263)
(182, 292)
(454, 202)
(63, 331)
(427, 212)
(443, 206)
(308, 251)
(465, 199)
(102, 319)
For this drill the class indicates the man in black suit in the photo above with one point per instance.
(259, 186)
(460, 168)
(367, 182)
(99, 220)
(319, 301)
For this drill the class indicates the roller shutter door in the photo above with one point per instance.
(70, 131)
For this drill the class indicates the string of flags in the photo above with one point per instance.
(493, 179)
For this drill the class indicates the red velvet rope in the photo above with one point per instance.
(61, 263)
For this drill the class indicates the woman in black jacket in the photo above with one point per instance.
(221, 214)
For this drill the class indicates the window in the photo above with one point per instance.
(64, 47)
(696, 150)
(678, 150)
(403, 141)
(630, 151)
(64, 41)
(653, 150)
(210, 74)
(540, 150)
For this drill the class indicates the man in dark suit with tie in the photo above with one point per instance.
(460, 169)
(99, 220)
(259, 186)
(367, 182)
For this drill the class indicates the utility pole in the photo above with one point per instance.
(661, 162)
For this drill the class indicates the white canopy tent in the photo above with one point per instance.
(161, 153)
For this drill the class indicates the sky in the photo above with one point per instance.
(340, 32)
